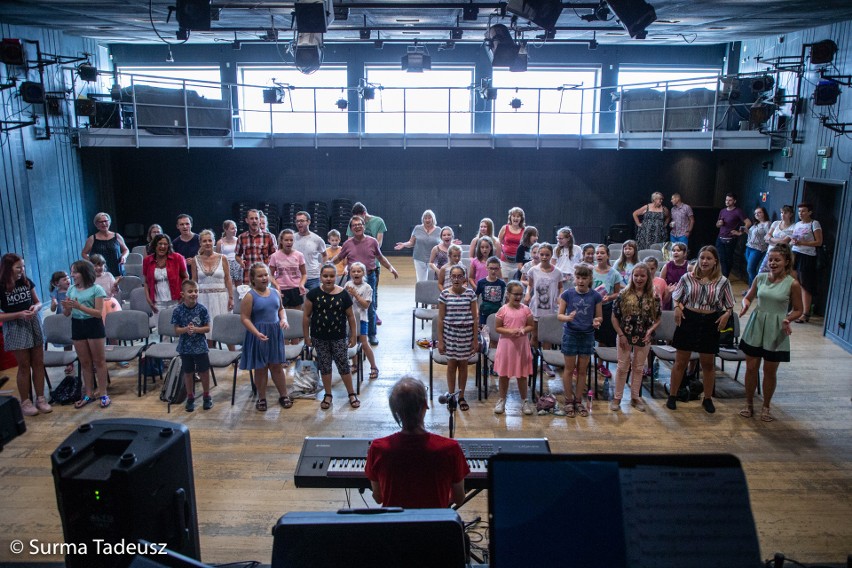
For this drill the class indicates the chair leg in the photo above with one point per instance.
(431, 373)
(234, 387)
(412, 330)
(737, 372)
(213, 376)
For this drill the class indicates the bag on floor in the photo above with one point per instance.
(174, 389)
(68, 391)
(546, 402)
(152, 367)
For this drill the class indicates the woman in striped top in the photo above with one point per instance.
(703, 302)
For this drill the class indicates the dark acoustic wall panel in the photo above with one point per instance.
(554, 187)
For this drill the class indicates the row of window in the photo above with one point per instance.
(442, 100)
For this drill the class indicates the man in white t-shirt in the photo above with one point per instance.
(312, 247)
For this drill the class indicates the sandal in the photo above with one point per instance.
(285, 401)
(326, 402)
(105, 401)
(581, 409)
(463, 405)
(353, 400)
(83, 401)
(374, 373)
(261, 405)
(569, 409)
(747, 412)
(766, 415)
(803, 319)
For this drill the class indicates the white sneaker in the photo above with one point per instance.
(27, 408)
(638, 404)
(527, 408)
(614, 405)
(500, 408)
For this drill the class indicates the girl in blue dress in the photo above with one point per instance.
(263, 349)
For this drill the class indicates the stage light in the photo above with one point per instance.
(273, 96)
(368, 93)
(87, 72)
(12, 52)
(314, 16)
(364, 34)
(634, 15)
(826, 93)
(31, 92)
(823, 52)
(308, 53)
(416, 60)
(543, 13)
(342, 103)
(516, 103)
(600, 14)
(470, 13)
(502, 49)
(456, 34)
(486, 91)
(193, 14)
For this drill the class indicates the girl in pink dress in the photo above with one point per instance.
(514, 357)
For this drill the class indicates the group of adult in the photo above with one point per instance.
(762, 235)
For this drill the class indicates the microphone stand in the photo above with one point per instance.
(452, 406)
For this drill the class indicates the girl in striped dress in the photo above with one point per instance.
(457, 339)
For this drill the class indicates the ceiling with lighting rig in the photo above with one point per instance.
(612, 22)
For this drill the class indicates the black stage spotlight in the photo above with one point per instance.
(826, 93)
(364, 34)
(308, 53)
(634, 15)
(368, 93)
(31, 92)
(543, 13)
(456, 33)
(12, 52)
(87, 72)
(516, 103)
(823, 52)
(273, 96)
(502, 49)
(342, 103)
(314, 16)
(470, 13)
(193, 14)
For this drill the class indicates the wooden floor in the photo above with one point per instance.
(799, 468)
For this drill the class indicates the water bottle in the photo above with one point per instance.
(591, 398)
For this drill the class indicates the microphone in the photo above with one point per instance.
(447, 397)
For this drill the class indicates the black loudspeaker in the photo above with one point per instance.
(32, 92)
(419, 538)
(121, 480)
(193, 14)
(11, 420)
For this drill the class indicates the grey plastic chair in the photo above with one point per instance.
(167, 347)
(139, 302)
(425, 294)
(736, 356)
(133, 270)
(128, 326)
(665, 333)
(126, 286)
(140, 249)
(134, 258)
(227, 329)
(645, 253)
(57, 331)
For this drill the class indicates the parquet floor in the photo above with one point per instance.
(799, 468)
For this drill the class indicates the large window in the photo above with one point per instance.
(677, 79)
(552, 101)
(435, 101)
(309, 102)
(203, 80)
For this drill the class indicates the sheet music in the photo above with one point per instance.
(672, 516)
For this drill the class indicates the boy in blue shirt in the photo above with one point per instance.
(580, 309)
(192, 321)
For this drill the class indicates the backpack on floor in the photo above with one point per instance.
(68, 391)
(174, 389)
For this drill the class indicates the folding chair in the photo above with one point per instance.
(134, 258)
(549, 331)
(139, 302)
(140, 249)
(133, 270)
(127, 326)
(436, 357)
(665, 334)
(57, 331)
(227, 329)
(645, 253)
(167, 347)
(736, 355)
(425, 294)
(126, 286)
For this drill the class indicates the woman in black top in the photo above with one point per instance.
(22, 335)
(328, 310)
(108, 244)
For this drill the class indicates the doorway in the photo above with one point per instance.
(826, 197)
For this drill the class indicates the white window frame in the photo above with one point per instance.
(308, 107)
(413, 102)
(555, 100)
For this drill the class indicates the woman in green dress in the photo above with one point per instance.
(767, 334)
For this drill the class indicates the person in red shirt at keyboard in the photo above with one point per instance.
(414, 468)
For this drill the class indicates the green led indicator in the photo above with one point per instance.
(97, 495)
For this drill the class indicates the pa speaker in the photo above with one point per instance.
(32, 92)
(11, 420)
(418, 538)
(121, 480)
(193, 14)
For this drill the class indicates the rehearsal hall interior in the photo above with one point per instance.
(714, 138)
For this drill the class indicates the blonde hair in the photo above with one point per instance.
(253, 268)
(622, 261)
(649, 282)
(207, 232)
(517, 211)
(570, 246)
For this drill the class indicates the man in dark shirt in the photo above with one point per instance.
(187, 242)
(732, 223)
(414, 468)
